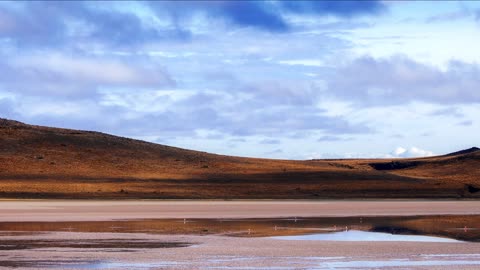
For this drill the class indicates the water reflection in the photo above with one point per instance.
(356, 236)
(125, 244)
(461, 227)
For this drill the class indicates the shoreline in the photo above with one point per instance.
(94, 210)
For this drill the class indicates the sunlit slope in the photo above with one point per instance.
(43, 162)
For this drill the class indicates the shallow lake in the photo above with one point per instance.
(459, 227)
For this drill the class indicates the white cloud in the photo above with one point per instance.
(91, 70)
(399, 151)
(413, 151)
(400, 80)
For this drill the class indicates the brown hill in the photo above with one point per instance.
(43, 162)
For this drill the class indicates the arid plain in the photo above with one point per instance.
(43, 162)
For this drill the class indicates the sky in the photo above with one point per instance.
(273, 79)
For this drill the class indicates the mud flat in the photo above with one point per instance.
(240, 234)
(59, 210)
(221, 252)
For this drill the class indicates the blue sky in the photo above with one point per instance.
(276, 79)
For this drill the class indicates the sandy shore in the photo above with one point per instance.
(58, 210)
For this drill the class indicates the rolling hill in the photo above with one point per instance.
(44, 162)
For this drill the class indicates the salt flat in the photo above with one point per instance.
(77, 210)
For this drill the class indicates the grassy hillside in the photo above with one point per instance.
(43, 162)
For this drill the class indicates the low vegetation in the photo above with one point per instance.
(43, 162)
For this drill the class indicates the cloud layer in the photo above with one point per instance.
(369, 81)
(260, 78)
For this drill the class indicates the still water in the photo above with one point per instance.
(19, 240)
(459, 227)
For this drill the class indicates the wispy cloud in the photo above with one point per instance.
(64, 75)
(289, 75)
(378, 82)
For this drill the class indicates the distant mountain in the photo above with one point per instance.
(44, 162)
